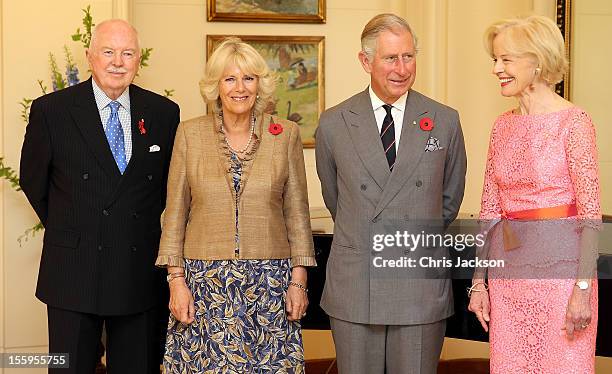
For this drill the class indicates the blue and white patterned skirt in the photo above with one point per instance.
(240, 321)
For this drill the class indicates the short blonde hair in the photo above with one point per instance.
(534, 36)
(234, 51)
(378, 24)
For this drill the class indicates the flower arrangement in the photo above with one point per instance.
(60, 81)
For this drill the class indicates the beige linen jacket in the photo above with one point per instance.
(199, 221)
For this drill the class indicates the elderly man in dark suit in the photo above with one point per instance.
(389, 160)
(94, 166)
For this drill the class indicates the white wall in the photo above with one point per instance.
(2, 186)
(591, 83)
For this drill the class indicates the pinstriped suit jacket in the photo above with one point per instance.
(365, 198)
(102, 228)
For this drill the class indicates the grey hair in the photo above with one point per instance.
(380, 23)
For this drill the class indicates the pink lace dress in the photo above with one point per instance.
(538, 161)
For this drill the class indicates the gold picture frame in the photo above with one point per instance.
(299, 62)
(564, 22)
(286, 11)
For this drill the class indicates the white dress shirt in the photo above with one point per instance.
(125, 117)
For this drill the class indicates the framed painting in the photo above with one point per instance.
(298, 62)
(293, 11)
(564, 22)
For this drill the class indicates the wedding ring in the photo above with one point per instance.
(304, 314)
(584, 326)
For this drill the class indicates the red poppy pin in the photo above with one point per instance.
(141, 127)
(426, 124)
(275, 128)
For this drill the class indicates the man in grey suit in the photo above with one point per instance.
(389, 160)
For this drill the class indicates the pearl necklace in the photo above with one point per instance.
(248, 144)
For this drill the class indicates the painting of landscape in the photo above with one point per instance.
(267, 10)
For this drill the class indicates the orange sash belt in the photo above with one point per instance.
(561, 211)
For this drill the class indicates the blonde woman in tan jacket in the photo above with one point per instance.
(236, 236)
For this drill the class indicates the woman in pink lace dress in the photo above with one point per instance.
(542, 182)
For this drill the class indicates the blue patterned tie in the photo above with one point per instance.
(114, 134)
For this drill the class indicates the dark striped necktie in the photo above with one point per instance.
(387, 135)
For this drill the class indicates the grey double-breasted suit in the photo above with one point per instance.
(365, 198)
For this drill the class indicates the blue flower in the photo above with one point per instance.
(72, 74)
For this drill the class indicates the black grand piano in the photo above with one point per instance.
(463, 324)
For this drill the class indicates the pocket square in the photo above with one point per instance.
(154, 148)
(432, 145)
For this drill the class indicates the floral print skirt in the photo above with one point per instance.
(240, 321)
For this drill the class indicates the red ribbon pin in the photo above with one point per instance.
(141, 127)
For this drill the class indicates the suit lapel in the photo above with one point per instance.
(87, 119)
(362, 128)
(138, 111)
(411, 148)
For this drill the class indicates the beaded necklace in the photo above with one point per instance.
(248, 144)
